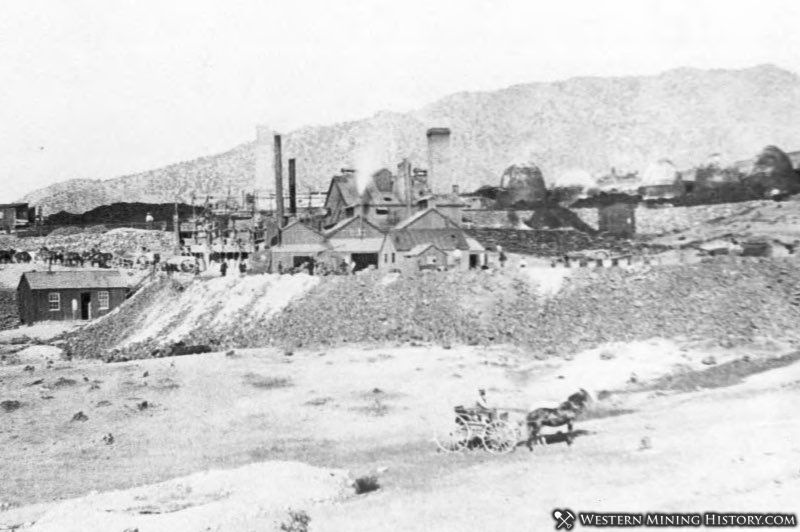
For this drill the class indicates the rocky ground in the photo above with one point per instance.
(120, 241)
(724, 299)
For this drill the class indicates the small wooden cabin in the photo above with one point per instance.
(69, 295)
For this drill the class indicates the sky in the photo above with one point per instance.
(98, 89)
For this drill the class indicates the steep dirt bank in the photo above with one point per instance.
(728, 300)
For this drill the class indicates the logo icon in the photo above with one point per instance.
(564, 519)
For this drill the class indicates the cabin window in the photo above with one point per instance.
(387, 199)
(385, 257)
(392, 258)
(382, 212)
(102, 298)
(348, 212)
(54, 300)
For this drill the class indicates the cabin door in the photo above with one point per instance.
(86, 305)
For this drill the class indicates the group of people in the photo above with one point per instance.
(322, 268)
(223, 268)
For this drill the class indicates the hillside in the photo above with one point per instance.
(590, 123)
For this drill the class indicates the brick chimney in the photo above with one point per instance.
(440, 161)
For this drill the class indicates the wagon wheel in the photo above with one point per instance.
(500, 437)
(455, 440)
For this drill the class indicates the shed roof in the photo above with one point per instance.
(444, 239)
(356, 245)
(51, 280)
(300, 248)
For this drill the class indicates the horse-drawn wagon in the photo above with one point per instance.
(480, 428)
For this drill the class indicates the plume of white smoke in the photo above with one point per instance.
(368, 158)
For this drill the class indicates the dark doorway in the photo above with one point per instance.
(363, 260)
(473, 261)
(86, 301)
(300, 260)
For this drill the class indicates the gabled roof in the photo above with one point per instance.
(79, 279)
(408, 222)
(420, 249)
(300, 248)
(445, 239)
(330, 233)
(305, 226)
(347, 187)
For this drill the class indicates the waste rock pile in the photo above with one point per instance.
(170, 316)
(726, 299)
(555, 242)
(120, 241)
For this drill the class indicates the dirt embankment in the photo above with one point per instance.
(728, 300)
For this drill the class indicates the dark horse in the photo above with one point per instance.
(564, 414)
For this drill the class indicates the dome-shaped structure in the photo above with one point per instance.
(773, 173)
(773, 161)
(524, 183)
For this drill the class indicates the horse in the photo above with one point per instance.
(72, 258)
(22, 257)
(564, 414)
(102, 260)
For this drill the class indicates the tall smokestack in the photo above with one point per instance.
(265, 161)
(440, 171)
(278, 181)
(292, 188)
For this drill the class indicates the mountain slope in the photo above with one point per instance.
(590, 123)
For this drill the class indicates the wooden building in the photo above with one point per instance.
(618, 218)
(425, 236)
(299, 244)
(354, 240)
(69, 295)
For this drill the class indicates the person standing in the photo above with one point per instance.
(223, 268)
(502, 257)
(242, 268)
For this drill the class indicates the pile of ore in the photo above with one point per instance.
(729, 300)
(362, 309)
(118, 241)
(555, 243)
